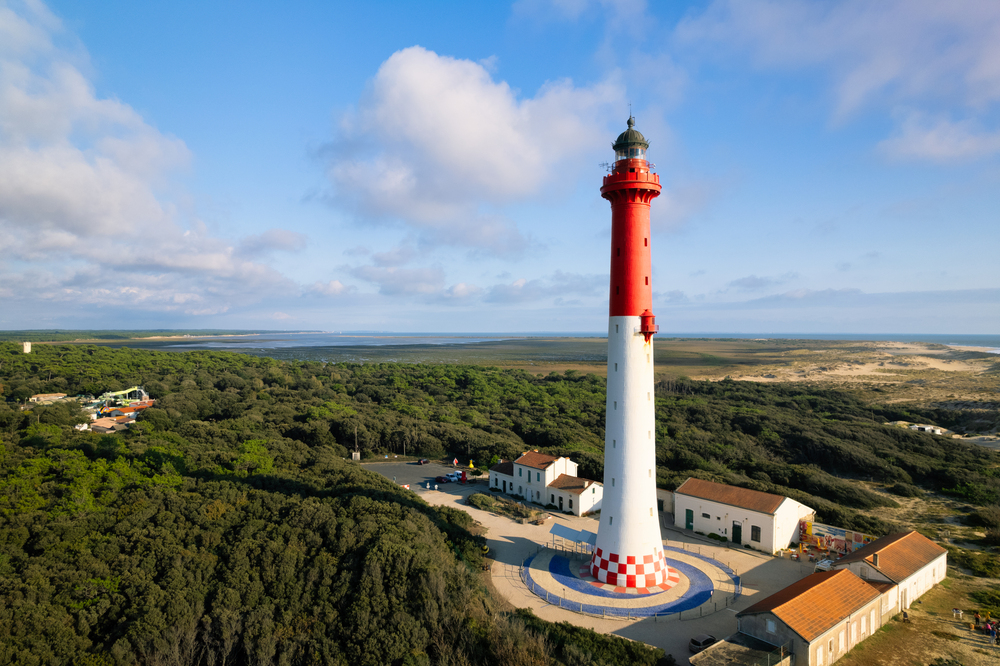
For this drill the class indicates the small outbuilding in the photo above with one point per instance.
(760, 520)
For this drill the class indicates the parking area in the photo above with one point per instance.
(418, 476)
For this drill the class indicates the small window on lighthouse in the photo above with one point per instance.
(651, 474)
(614, 443)
(645, 242)
(647, 279)
(616, 367)
(619, 252)
(648, 396)
(616, 328)
(616, 291)
(616, 404)
(651, 511)
(611, 520)
(612, 482)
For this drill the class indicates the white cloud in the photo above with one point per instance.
(84, 185)
(940, 140)
(272, 240)
(756, 283)
(557, 286)
(436, 140)
(903, 50)
(331, 288)
(394, 281)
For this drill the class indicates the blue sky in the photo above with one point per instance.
(828, 166)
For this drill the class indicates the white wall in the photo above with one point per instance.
(721, 519)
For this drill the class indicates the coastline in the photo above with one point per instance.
(982, 350)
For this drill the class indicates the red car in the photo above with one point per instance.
(443, 479)
(423, 461)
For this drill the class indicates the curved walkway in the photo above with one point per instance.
(562, 581)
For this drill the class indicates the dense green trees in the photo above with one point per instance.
(226, 527)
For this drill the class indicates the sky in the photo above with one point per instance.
(828, 167)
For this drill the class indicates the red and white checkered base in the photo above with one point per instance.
(627, 573)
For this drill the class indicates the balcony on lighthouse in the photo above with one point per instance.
(647, 324)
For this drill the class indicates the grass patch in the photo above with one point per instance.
(503, 507)
(946, 636)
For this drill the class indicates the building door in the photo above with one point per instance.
(688, 519)
(505, 486)
(737, 532)
(560, 502)
(903, 599)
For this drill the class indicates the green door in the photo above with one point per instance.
(689, 519)
(737, 532)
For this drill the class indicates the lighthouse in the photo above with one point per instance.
(629, 552)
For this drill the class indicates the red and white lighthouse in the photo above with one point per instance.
(629, 550)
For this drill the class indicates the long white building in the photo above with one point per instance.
(761, 520)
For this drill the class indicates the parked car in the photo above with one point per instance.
(423, 461)
(443, 479)
(455, 477)
(701, 641)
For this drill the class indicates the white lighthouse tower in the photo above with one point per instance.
(629, 550)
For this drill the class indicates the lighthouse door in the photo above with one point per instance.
(737, 532)
(688, 519)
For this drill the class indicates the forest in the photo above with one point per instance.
(226, 526)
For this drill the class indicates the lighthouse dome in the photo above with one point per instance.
(630, 144)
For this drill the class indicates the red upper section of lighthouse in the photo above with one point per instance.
(630, 187)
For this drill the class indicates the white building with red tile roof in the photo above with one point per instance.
(547, 480)
(905, 564)
(760, 520)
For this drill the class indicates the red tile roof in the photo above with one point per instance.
(536, 460)
(503, 467)
(815, 604)
(571, 484)
(754, 500)
(899, 555)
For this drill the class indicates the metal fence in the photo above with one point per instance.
(727, 587)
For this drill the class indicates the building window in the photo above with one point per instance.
(755, 533)
(519, 471)
(538, 476)
(705, 515)
(593, 491)
(520, 490)
(829, 647)
(571, 504)
(496, 481)
(552, 499)
(770, 627)
(840, 641)
(864, 573)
